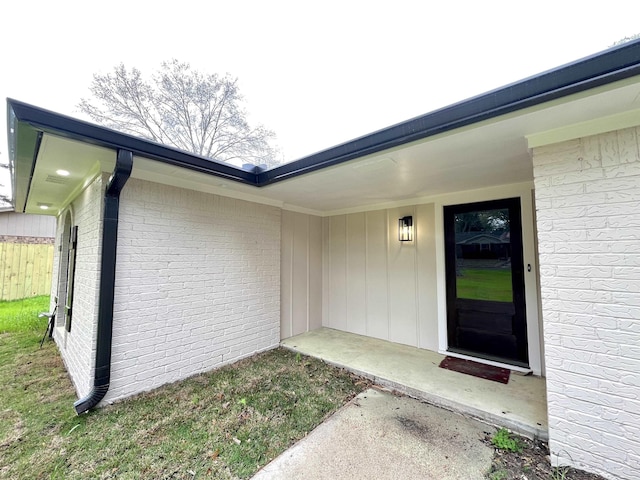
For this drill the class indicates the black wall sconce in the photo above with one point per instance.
(405, 229)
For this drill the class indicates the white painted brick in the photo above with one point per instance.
(585, 296)
(624, 210)
(592, 321)
(609, 149)
(617, 336)
(544, 228)
(567, 306)
(629, 366)
(617, 310)
(581, 247)
(556, 351)
(632, 325)
(588, 457)
(577, 223)
(613, 235)
(580, 418)
(559, 167)
(544, 204)
(568, 283)
(557, 191)
(211, 289)
(628, 246)
(77, 347)
(571, 149)
(542, 183)
(555, 236)
(590, 284)
(622, 196)
(577, 177)
(625, 170)
(618, 285)
(628, 146)
(564, 212)
(626, 221)
(576, 200)
(590, 260)
(566, 329)
(590, 345)
(612, 185)
(580, 431)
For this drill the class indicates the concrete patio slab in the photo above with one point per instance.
(519, 405)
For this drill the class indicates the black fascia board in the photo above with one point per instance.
(72, 128)
(24, 146)
(606, 67)
(614, 64)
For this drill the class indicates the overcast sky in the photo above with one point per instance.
(316, 73)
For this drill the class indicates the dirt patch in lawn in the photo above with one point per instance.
(532, 463)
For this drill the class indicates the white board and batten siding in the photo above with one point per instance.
(376, 285)
(350, 272)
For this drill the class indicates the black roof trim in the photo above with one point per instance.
(65, 126)
(36, 150)
(609, 66)
(599, 69)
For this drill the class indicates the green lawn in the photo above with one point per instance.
(224, 425)
(485, 284)
(22, 315)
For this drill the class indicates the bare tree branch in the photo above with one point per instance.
(178, 106)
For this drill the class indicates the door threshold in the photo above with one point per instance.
(514, 368)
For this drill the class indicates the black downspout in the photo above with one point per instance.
(102, 373)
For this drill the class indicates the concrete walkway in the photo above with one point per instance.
(384, 436)
(520, 405)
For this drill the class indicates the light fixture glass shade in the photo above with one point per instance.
(405, 229)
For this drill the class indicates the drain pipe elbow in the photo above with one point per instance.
(102, 372)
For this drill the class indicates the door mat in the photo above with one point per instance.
(481, 370)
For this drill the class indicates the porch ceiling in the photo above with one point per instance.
(494, 152)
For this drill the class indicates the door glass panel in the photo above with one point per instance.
(483, 255)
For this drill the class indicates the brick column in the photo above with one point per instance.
(588, 220)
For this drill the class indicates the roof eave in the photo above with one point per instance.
(24, 143)
(600, 69)
(69, 127)
(603, 68)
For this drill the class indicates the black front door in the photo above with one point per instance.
(485, 281)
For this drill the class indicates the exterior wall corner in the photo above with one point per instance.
(588, 217)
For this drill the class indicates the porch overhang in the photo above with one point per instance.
(478, 143)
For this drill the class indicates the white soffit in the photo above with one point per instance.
(82, 161)
(482, 155)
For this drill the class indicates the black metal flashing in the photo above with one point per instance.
(102, 371)
(606, 67)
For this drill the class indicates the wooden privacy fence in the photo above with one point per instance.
(25, 268)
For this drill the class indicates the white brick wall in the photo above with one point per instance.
(588, 201)
(197, 284)
(78, 346)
